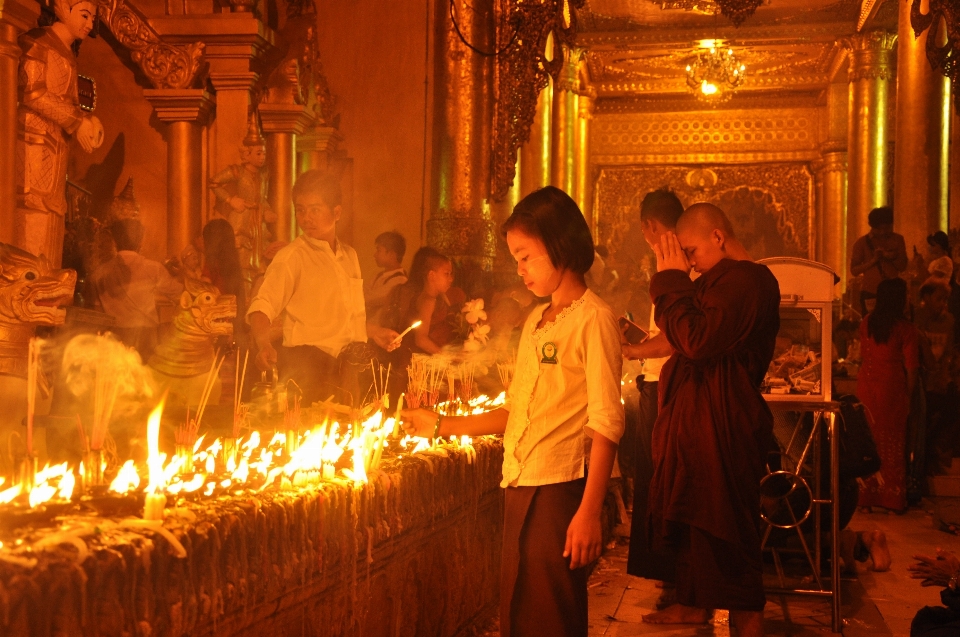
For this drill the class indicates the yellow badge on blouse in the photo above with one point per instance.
(549, 351)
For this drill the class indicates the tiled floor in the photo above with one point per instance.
(874, 604)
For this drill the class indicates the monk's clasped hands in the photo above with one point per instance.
(670, 254)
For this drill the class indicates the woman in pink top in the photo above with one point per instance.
(888, 376)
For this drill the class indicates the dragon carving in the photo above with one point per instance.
(31, 294)
(182, 360)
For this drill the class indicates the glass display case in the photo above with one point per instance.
(801, 367)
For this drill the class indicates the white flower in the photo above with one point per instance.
(480, 333)
(474, 311)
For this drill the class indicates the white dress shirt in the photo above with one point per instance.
(318, 292)
(567, 381)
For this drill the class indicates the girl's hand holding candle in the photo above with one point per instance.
(415, 325)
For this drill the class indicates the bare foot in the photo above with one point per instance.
(876, 543)
(668, 597)
(679, 614)
(848, 542)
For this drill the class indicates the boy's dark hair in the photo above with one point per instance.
(127, 234)
(319, 182)
(392, 241)
(661, 205)
(550, 215)
(931, 288)
(882, 216)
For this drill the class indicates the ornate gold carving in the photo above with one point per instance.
(942, 58)
(705, 132)
(738, 10)
(165, 65)
(521, 72)
(770, 205)
(871, 55)
(473, 238)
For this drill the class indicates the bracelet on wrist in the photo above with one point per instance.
(436, 427)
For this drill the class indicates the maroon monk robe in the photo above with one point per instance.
(714, 429)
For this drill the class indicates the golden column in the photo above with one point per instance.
(315, 148)
(16, 16)
(584, 189)
(923, 117)
(831, 174)
(832, 180)
(535, 154)
(185, 111)
(281, 125)
(460, 224)
(871, 78)
(563, 154)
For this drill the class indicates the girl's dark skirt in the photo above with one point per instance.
(539, 594)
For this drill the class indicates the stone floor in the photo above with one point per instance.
(874, 604)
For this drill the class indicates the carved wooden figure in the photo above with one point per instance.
(49, 114)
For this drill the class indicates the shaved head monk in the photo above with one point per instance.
(714, 428)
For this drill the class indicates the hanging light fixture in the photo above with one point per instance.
(715, 74)
(736, 10)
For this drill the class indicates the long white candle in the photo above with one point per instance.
(415, 325)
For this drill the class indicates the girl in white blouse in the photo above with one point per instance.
(563, 410)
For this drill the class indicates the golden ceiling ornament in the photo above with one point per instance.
(942, 14)
(706, 7)
(522, 69)
(165, 65)
(738, 10)
(715, 74)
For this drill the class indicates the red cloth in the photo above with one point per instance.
(882, 388)
(714, 429)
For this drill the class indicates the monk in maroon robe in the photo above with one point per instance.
(714, 429)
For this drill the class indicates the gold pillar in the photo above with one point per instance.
(923, 118)
(832, 181)
(504, 266)
(563, 154)
(281, 125)
(954, 169)
(871, 79)
(584, 189)
(15, 16)
(460, 224)
(185, 112)
(535, 154)
(315, 147)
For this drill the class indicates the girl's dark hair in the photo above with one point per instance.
(222, 259)
(425, 260)
(550, 215)
(891, 303)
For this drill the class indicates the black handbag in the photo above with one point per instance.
(859, 457)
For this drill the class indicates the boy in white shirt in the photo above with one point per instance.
(389, 250)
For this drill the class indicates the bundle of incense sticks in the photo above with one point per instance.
(426, 376)
(240, 410)
(505, 368)
(186, 434)
(381, 378)
(105, 391)
(33, 370)
(211, 380)
(467, 371)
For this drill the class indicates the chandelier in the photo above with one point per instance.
(715, 74)
(736, 10)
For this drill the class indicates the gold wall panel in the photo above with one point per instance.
(770, 205)
(788, 133)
